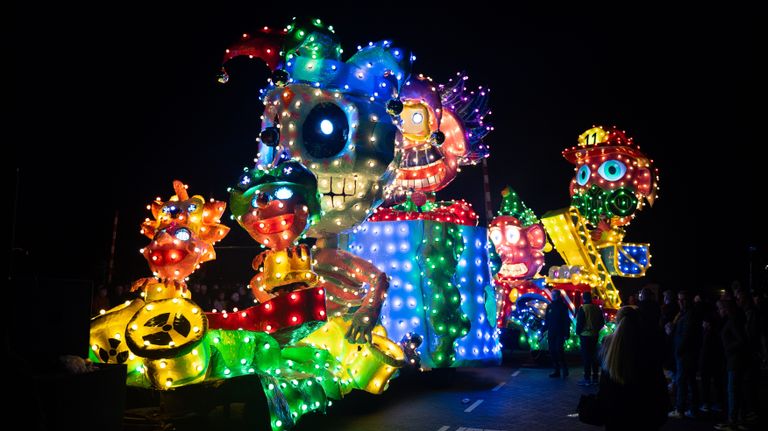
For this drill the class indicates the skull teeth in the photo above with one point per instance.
(336, 190)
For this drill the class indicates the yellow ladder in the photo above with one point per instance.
(569, 233)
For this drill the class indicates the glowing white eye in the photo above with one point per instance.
(417, 118)
(191, 207)
(283, 193)
(512, 233)
(182, 234)
(326, 127)
(496, 235)
(612, 170)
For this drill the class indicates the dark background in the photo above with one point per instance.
(114, 102)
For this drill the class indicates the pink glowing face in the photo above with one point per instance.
(175, 252)
(278, 216)
(520, 248)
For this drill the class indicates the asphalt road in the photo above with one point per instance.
(516, 396)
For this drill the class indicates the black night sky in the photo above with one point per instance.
(114, 102)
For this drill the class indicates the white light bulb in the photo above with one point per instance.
(326, 127)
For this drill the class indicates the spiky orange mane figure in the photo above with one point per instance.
(183, 233)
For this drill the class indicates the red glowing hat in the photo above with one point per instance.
(598, 141)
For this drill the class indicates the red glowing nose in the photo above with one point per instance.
(167, 257)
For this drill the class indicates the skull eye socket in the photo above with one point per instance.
(325, 131)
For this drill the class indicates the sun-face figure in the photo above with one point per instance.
(276, 207)
(519, 241)
(442, 128)
(613, 181)
(183, 232)
(164, 331)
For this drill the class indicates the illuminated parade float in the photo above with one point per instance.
(613, 181)
(359, 271)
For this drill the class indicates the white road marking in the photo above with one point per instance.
(445, 428)
(472, 407)
(515, 373)
(499, 386)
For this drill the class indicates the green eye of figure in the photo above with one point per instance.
(582, 176)
(612, 170)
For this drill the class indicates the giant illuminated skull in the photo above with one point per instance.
(330, 115)
(346, 140)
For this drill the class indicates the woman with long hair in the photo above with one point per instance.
(633, 392)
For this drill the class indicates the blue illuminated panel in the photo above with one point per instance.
(393, 247)
(627, 260)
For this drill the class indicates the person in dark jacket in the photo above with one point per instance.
(712, 358)
(669, 310)
(650, 311)
(558, 329)
(589, 322)
(632, 393)
(752, 328)
(686, 340)
(735, 345)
